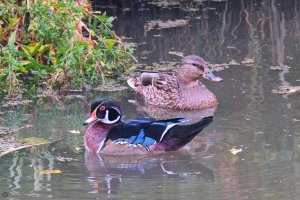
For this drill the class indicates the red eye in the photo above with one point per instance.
(102, 108)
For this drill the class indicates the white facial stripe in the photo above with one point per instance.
(99, 105)
(107, 121)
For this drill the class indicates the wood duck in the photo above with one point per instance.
(109, 134)
(180, 90)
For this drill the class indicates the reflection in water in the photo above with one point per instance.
(109, 171)
(165, 113)
(37, 157)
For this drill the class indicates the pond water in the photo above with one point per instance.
(264, 125)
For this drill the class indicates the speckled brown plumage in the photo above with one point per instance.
(180, 90)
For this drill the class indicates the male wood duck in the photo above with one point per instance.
(180, 90)
(109, 134)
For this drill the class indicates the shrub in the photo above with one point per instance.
(51, 43)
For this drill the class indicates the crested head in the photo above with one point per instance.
(104, 110)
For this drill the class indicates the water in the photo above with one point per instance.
(265, 125)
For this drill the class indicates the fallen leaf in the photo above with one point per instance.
(248, 62)
(74, 131)
(286, 90)
(235, 150)
(65, 159)
(78, 148)
(234, 63)
(50, 171)
(279, 68)
(176, 53)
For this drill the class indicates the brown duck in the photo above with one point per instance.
(181, 90)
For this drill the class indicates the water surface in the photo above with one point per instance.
(265, 125)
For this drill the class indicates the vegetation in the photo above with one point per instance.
(53, 43)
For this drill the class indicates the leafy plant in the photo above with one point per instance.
(52, 43)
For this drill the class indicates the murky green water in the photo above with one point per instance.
(265, 125)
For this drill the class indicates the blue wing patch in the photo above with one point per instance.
(142, 139)
(143, 131)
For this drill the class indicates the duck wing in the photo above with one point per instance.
(158, 80)
(181, 135)
(143, 131)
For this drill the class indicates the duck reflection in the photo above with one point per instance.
(167, 113)
(108, 171)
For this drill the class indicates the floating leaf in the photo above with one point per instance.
(286, 90)
(176, 53)
(78, 148)
(235, 150)
(248, 62)
(65, 159)
(50, 171)
(74, 131)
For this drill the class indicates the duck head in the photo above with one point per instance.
(105, 111)
(193, 67)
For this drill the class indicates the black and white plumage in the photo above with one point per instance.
(143, 131)
(110, 134)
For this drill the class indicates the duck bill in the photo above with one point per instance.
(91, 118)
(210, 76)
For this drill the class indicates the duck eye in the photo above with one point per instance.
(102, 108)
(194, 64)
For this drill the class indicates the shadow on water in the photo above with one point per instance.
(264, 125)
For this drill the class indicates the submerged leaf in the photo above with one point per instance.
(34, 140)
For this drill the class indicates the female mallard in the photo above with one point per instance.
(177, 90)
(110, 135)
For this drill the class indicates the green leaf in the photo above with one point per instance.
(110, 43)
(12, 40)
(45, 48)
(13, 22)
(110, 19)
(21, 69)
(24, 62)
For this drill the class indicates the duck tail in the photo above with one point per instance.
(178, 136)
